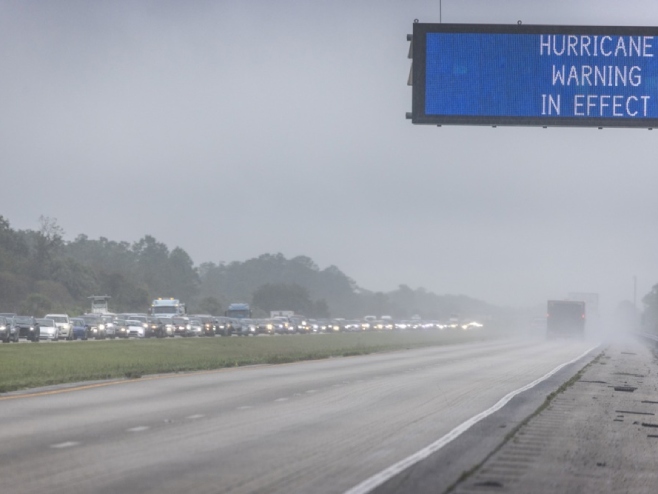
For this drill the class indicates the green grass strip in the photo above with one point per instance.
(31, 365)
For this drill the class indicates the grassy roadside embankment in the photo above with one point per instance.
(32, 365)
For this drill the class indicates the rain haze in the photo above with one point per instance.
(237, 128)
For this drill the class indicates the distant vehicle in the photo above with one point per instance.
(168, 325)
(121, 328)
(334, 326)
(142, 318)
(195, 327)
(266, 326)
(95, 326)
(167, 307)
(63, 324)
(155, 327)
(180, 325)
(223, 326)
(48, 330)
(282, 325)
(352, 326)
(12, 333)
(238, 311)
(99, 304)
(27, 327)
(136, 328)
(5, 329)
(565, 318)
(281, 313)
(110, 325)
(208, 321)
(79, 329)
(248, 327)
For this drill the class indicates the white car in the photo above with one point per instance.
(63, 323)
(136, 328)
(48, 329)
(195, 327)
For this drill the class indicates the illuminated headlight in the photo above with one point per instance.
(101, 326)
(31, 328)
(94, 330)
(66, 325)
(269, 326)
(189, 326)
(145, 325)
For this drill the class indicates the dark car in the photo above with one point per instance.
(181, 324)
(223, 326)
(121, 328)
(95, 325)
(169, 326)
(27, 327)
(208, 323)
(155, 328)
(80, 329)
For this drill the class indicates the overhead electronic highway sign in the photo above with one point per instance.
(578, 76)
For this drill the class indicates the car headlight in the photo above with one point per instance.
(66, 325)
(189, 326)
(101, 326)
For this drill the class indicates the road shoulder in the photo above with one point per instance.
(445, 468)
(598, 435)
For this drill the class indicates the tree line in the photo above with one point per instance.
(42, 272)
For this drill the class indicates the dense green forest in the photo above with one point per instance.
(41, 272)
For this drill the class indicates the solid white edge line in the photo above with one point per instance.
(67, 444)
(378, 479)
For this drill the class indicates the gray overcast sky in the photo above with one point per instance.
(236, 128)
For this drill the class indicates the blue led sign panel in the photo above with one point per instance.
(535, 75)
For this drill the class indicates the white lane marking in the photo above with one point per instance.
(139, 428)
(281, 399)
(244, 408)
(67, 444)
(379, 478)
(197, 416)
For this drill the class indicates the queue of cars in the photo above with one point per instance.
(133, 325)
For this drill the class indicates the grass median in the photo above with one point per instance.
(32, 365)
